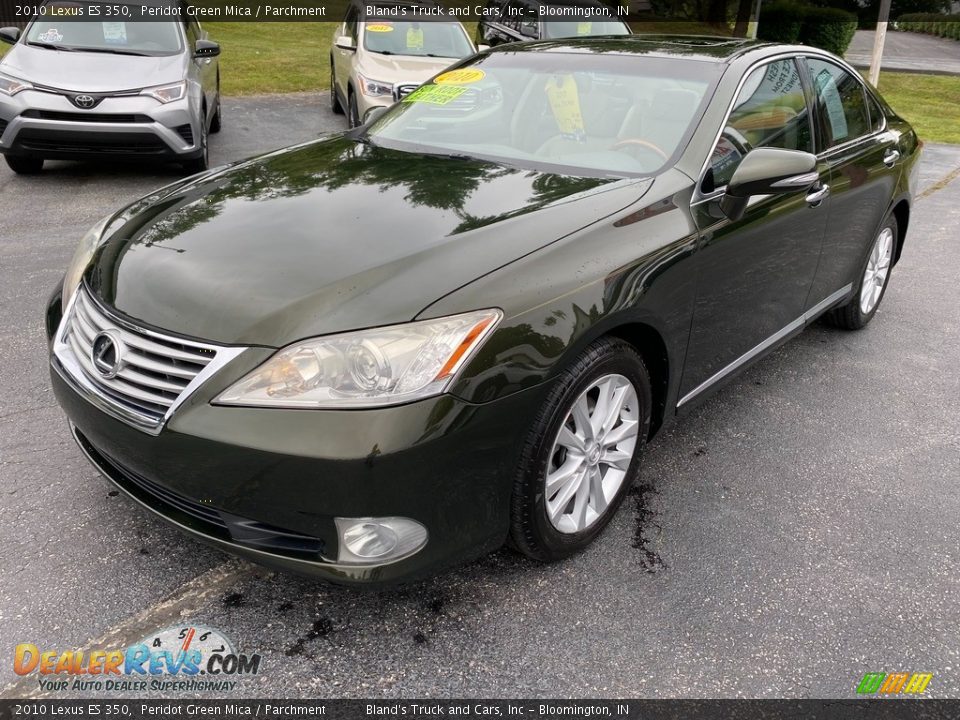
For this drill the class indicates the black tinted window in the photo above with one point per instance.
(841, 104)
(770, 111)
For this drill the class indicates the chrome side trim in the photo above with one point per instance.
(66, 365)
(808, 316)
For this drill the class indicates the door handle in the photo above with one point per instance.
(818, 195)
(890, 159)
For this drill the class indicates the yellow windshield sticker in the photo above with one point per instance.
(463, 76)
(415, 39)
(565, 105)
(379, 27)
(435, 94)
(584, 28)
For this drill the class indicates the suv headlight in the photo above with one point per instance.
(81, 259)
(367, 368)
(167, 93)
(374, 88)
(10, 85)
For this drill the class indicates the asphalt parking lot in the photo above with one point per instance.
(798, 530)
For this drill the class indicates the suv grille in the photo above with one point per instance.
(154, 370)
(401, 91)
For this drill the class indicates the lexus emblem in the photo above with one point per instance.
(84, 101)
(106, 353)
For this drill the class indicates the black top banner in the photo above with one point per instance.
(241, 709)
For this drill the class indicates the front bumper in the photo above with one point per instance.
(267, 484)
(44, 124)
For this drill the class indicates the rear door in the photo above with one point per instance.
(754, 274)
(864, 164)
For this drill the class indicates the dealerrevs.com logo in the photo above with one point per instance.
(180, 658)
(898, 683)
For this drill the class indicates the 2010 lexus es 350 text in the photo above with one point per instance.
(372, 355)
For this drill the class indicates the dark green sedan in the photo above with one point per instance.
(373, 355)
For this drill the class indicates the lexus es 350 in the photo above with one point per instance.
(375, 354)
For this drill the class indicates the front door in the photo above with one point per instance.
(754, 274)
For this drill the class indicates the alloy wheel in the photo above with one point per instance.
(878, 269)
(592, 453)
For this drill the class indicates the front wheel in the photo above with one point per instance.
(583, 452)
(201, 163)
(861, 308)
(335, 106)
(24, 164)
(353, 112)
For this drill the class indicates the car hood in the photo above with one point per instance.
(331, 236)
(90, 72)
(402, 68)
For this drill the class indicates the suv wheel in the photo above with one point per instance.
(201, 163)
(24, 164)
(335, 107)
(583, 452)
(353, 112)
(216, 123)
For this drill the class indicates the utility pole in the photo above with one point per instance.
(878, 41)
(755, 20)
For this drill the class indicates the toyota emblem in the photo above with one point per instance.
(106, 354)
(84, 101)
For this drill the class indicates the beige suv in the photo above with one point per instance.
(376, 59)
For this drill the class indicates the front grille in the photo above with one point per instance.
(88, 143)
(186, 132)
(401, 91)
(86, 116)
(154, 369)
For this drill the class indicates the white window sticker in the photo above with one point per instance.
(827, 89)
(115, 33)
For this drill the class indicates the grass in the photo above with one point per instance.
(931, 103)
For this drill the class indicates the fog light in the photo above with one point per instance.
(372, 541)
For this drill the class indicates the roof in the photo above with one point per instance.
(693, 47)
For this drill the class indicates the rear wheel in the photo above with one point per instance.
(24, 164)
(583, 452)
(335, 107)
(861, 308)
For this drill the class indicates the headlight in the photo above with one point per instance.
(374, 88)
(167, 93)
(381, 366)
(81, 259)
(11, 85)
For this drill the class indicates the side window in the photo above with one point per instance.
(350, 22)
(770, 111)
(876, 114)
(841, 103)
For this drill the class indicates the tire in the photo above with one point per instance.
(216, 123)
(353, 112)
(540, 526)
(335, 107)
(201, 163)
(24, 164)
(874, 278)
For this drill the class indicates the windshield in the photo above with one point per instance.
(427, 39)
(594, 115)
(123, 38)
(566, 29)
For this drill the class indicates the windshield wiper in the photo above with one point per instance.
(113, 51)
(50, 46)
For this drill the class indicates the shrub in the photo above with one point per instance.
(829, 29)
(946, 26)
(780, 22)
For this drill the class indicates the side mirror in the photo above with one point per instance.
(530, 29)
(10, 35)
(768, 171)
(206, 49)
(482, 47)
(345, 42)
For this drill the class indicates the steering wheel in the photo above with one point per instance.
(644, 144)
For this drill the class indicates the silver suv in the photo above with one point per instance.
(82, 89)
